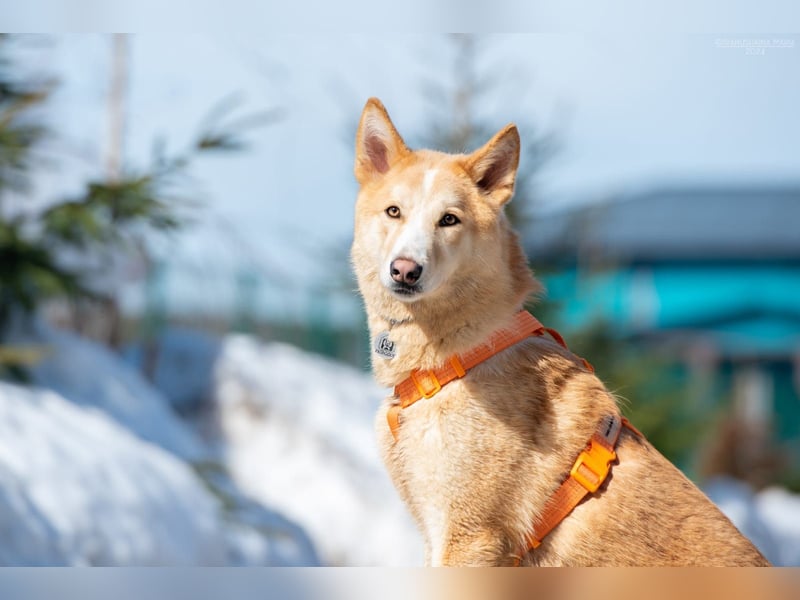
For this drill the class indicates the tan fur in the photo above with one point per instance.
(476, 463)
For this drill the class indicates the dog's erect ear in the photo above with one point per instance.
(378, 145)
(493, 168)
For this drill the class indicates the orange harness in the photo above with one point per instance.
(426, 384)
(588, 473)
(591, 468)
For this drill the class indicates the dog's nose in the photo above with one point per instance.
(404, 270)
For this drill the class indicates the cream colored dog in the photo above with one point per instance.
(440, 270)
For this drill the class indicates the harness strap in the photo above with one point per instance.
(427, 383)
(590, 471)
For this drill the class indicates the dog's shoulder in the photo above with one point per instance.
(541, 381)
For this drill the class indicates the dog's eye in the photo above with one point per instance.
(393, 212)
(449, 220)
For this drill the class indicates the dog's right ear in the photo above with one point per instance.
(378, 145)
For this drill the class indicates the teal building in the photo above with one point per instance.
(711, 275)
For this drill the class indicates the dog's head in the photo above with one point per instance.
(428, 221)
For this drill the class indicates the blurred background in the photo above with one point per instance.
(183, 353)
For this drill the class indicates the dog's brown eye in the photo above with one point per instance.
(449, 220)
(393, 212)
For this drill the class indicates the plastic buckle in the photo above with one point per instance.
(596, 460)
(430, 377)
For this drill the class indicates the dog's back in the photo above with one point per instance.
(649, 514)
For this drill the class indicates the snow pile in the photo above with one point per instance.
(770, 518)
(78, 489)
(299, 435)
(96, 469)
(89, 375)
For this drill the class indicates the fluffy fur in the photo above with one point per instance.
(476, 463)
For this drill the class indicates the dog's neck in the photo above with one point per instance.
(424, 339)
(424, 334)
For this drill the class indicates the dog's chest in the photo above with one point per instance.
(433, 463)
(426, 447)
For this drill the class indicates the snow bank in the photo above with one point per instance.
(99, 470)
(299, 436)
(89, 375)
(78, 489)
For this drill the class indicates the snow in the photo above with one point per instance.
(80, 490)
(779, 510)
(298, 431)
(95, 469)
(89, 375)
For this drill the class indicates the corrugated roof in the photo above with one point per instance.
(741, 223)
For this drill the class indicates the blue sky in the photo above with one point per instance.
(629, 110)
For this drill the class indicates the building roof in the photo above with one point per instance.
(675, 224)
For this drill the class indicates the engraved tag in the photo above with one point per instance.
(384, 346)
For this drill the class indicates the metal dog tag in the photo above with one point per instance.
(383, 346)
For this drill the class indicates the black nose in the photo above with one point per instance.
(406, 271)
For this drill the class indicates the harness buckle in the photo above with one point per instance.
(597, 461)
(428, 377)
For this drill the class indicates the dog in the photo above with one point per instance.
(478, 460)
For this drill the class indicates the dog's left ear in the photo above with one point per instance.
(493, 168)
